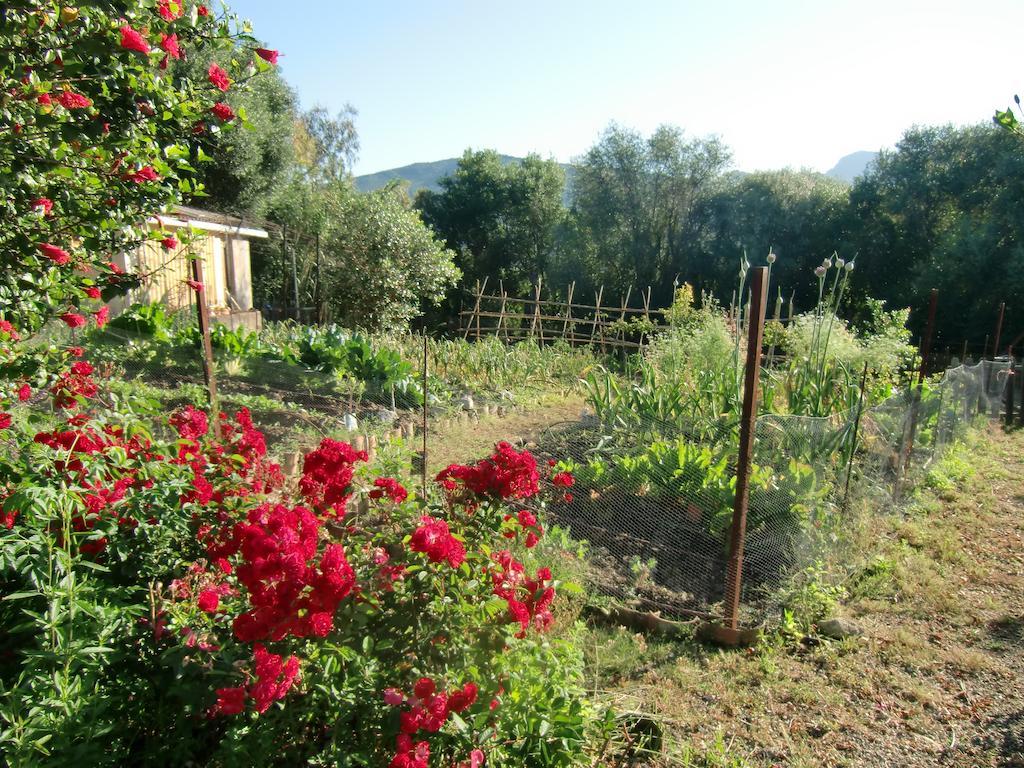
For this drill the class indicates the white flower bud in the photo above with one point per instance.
(820, 271)
(849, 267)
(771, 257)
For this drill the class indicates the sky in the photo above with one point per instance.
(797, 84)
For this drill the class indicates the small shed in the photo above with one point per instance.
(223, 246)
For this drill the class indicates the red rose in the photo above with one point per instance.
(267, 55)
(44, 98)
(5, 420)
(72, 100)
(146, 173)
(81, 368)
(169, 44)
(24, 392)
(43, 202)
(202, 10)
(7, 328)
(73, 320)
(209, 600)
(133, 41)
(230, 701)
(169, 242)
(195, 285)
(102, 315)
(92, 292)
(170, 10)
(218, 77)
(53, 253)
(223, 111)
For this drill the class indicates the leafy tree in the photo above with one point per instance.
(327, 146)
(942, 210)
(633, 201)
(380, 261)
(798, 215)
(500, 218)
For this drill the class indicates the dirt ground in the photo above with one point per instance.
(936, 678)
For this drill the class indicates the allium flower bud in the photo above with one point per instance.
(849, 267)
(827, 263)
(771, 257)
(820, 271)
(839, 263)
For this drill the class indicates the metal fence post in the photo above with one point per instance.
(203, 318)
(748, 422)
(999, 330)
(1011, 382)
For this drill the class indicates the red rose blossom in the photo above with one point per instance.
(24, 392)
(202, 10)
(72, 100)
(267, 55)
(208, 601)
(223, 111)
(133, 41)
(170, 10)
(73, 320)
(146, 173)
(101, 316)
(170, 242)
(54, 254)
(92, 292)
(218, 77)
(169, 44)
(5, 420)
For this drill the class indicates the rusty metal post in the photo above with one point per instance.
(203, 317)
(915, 405)
(748, 423)
(999, 330)
(426, 400)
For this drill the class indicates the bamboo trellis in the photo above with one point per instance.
(546, 320)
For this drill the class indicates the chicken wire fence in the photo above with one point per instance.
(652, 499)
(655, 500)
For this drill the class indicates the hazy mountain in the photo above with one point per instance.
(419, 175)
(422, 175)
(428, 175)
(851, 166)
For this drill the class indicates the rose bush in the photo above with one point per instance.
(165, 594)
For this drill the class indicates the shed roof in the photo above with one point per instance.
(209, 221)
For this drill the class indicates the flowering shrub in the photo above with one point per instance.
(186, 574)
(163, 591)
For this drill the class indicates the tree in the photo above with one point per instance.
(633, 201)
(380, 262)
(499, 217)
(942, 210)
(327, 146)
(799, 215)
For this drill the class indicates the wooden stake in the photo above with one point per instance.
(209, 372)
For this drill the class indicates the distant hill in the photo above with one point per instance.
(851, 166)
(419, 175)
(423, 175)
(428, 175)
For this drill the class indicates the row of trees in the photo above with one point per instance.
(941, 209)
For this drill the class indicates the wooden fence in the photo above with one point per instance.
(545, 320)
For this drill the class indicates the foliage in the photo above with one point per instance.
(380, 262)
(499, 218)
(633, 201)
